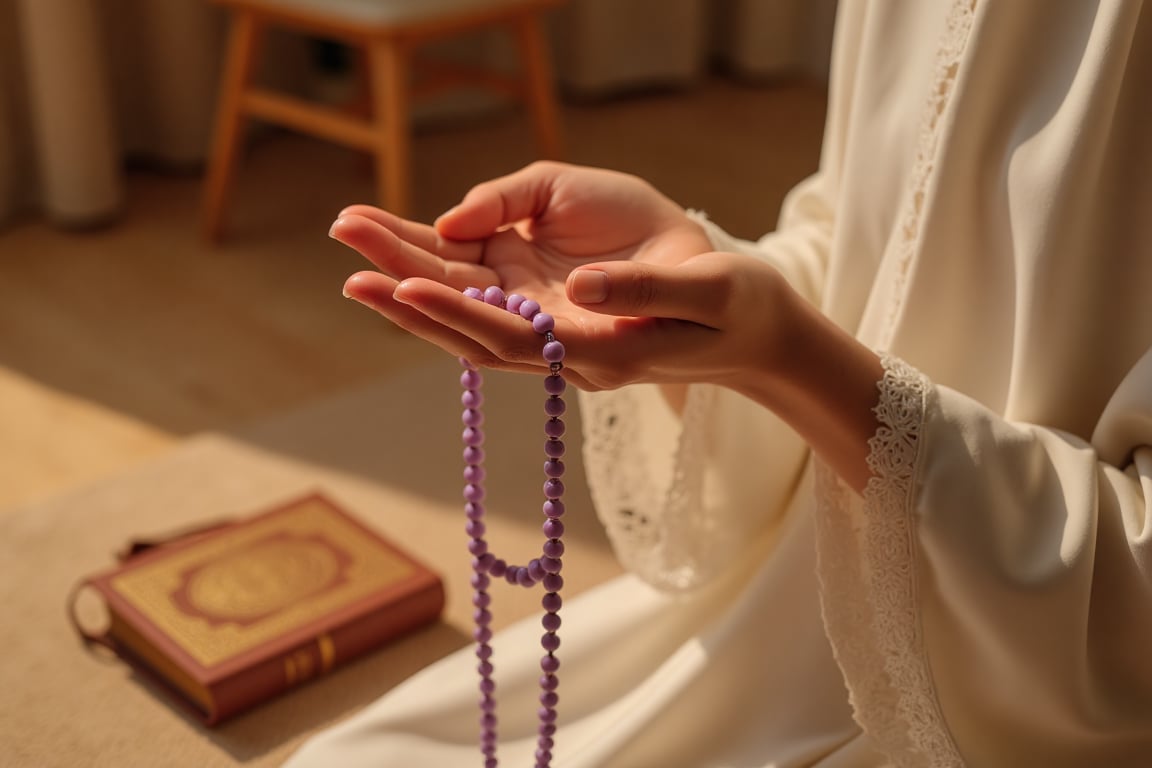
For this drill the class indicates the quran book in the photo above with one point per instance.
(230, 617)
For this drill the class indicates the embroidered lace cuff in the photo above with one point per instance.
(645, 471)
(867, 563)
(643, 468)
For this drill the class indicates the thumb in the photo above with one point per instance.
(492, 205)
(696, 291)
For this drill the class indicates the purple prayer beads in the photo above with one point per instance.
(485, 565)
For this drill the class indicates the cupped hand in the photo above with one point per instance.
(625, 272)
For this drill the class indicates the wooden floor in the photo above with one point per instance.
(115, 344)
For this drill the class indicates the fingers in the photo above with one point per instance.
(496, 337)
(495, 204)
(698, 290)
(384, 249)
(400, 257)
(420, 235)
(505, 337)
(377, 292)
(602, 354)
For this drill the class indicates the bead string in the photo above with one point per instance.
(485, 565)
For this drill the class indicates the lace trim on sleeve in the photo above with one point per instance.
(867, 565)
(654, 515)
(952, 44)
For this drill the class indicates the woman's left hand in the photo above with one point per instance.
(715, 317)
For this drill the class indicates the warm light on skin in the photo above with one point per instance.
(636, 292)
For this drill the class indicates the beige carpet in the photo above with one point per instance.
(388, 451)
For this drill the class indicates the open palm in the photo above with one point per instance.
(525, 233)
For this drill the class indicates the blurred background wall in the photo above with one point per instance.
(90, 87)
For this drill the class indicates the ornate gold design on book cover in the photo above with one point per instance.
(267, 577)
(231, 594)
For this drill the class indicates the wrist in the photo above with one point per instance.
(819, 379)
(776, 322)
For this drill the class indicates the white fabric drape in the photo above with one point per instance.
(87, 84)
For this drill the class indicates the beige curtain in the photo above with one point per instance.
(614, 45)
(87, 86)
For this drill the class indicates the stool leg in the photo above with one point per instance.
(540, 89)
(388, 61)
(243, 48)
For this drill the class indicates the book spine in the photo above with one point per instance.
(322, 653)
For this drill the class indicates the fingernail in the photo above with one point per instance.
(349, 284)
(332, 228)
(399, 294)
(446, 213)
(589, 286)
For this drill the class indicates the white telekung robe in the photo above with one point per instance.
(983, 212)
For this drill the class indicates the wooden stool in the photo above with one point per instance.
(385, 33)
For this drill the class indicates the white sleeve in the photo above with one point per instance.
(989, 595)
(800, 245)
(681, 497)
(682, 494)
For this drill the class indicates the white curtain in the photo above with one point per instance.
(88, 85)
